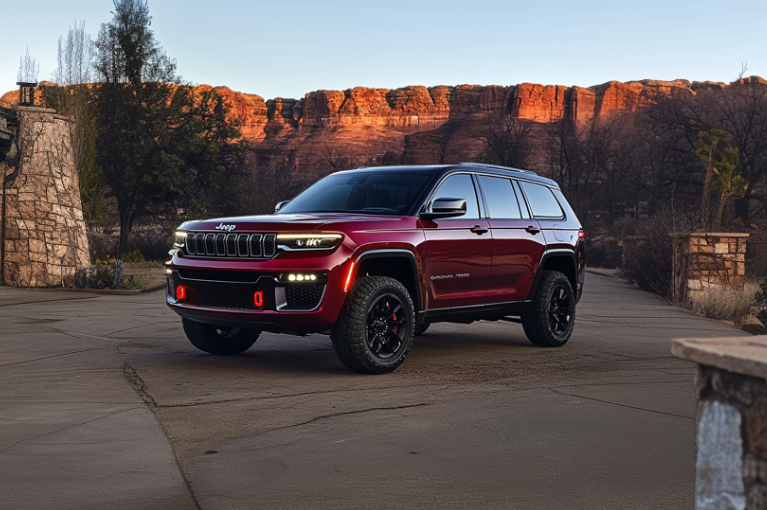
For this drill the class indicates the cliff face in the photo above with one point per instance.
(418, 124)
(417, 106)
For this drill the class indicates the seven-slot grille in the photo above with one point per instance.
(252, 246)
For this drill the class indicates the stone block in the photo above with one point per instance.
(754, 469)
(38, 257)
(757, 497)
(741, 269)
(702, 379)
(707, 249)
(721, 248)
(694, 284)
(737, 387)
(719, 466)
(756, 427)
(37, 246)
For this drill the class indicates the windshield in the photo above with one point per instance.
(367, 193)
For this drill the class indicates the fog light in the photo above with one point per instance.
(297, 277)
(258, 299)
(181, 293)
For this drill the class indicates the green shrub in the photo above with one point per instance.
(133, 257)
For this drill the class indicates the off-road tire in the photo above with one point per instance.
(218, 340)
(421, 328)
(350, 334)
(538, 322)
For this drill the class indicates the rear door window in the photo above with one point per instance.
(542, 201)
(500, 198)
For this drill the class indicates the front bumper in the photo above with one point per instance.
(284, 307)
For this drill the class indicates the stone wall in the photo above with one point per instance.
(705, 260)
(731, 466)
(43, 233)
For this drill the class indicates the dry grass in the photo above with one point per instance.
(725, 304)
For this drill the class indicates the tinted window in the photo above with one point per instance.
(542, 201)
(460, 186)
(363, 192)
(500, 197)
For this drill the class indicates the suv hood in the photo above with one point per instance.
(281, 222)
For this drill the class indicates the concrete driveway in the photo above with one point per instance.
(104, 404)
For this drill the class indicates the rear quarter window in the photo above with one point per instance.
(542, 201)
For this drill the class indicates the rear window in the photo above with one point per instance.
(542, 201)
(500, 198)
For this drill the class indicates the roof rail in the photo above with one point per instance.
(499, 167)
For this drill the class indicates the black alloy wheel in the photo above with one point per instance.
(559, 310)
(550, 318)
(385, 329)
(374, 332)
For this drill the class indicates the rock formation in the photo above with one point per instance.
(420, 124)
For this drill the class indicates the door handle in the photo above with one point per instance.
(532, 230)
(479, 230)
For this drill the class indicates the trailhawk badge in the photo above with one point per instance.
(228, 228)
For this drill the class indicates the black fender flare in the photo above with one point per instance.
(550, 254)
(396, 253)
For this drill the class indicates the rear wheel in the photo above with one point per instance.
(550, 320)
(219, 340)
(374, 332)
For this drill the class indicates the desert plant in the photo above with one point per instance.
(722, 303)
(133, 257)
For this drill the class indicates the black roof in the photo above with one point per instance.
(475, 167)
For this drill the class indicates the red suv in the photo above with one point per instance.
(373, 256)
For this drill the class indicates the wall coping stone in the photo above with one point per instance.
(745, 355)
(709, 234)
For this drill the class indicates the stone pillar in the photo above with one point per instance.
(731, 383)
(44, 237)
(704, 260)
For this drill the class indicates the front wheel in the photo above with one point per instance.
(374, 332)
(550, 320)
(219, 340)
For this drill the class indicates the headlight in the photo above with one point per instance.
(295, 242)
(180, 239)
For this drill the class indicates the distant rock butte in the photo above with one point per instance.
(424, 123)
(416, 106)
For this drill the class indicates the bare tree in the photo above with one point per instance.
(29, 69)
(332, 158)
(507, 140)
(72, 96)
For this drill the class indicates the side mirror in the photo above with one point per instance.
(445, 208)
(280, 205)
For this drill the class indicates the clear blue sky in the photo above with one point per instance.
(289, 48)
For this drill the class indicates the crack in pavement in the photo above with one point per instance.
(619, 405)
(348, 413)
(49, 357)
(68, 428)
(436, 387)
(138, 385)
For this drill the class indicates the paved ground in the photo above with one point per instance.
(104, 404)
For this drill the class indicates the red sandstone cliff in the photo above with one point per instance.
(426, 124)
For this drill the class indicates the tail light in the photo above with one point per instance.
(581, 234)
